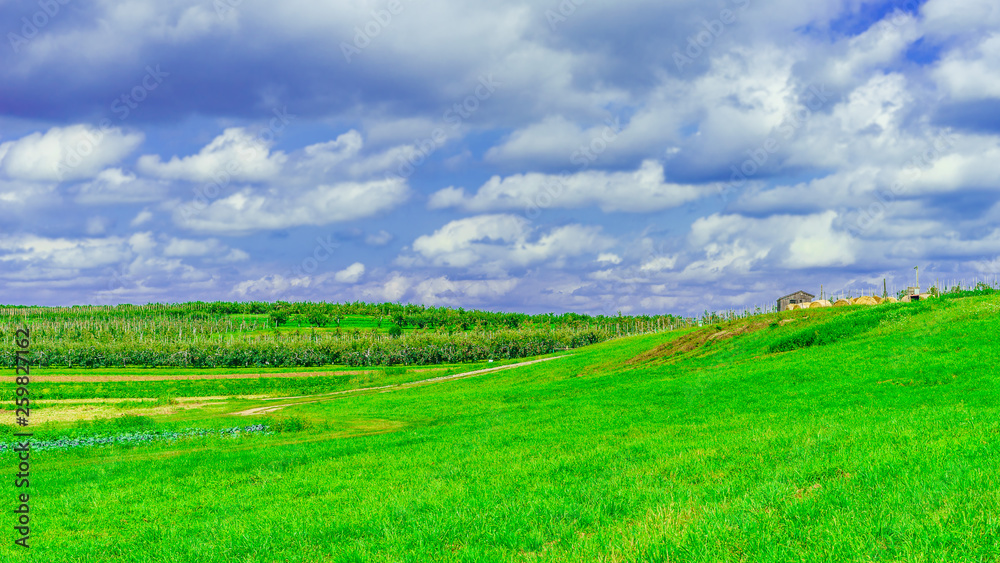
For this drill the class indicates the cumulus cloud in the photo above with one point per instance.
(141, 218)
(609, 258)
(64, 255)
(66, 153)
(557, 140)
(21, 193)
(734, 244)
(254, 210)
(381, 238)
(188, 247)
(270, 285)
(971, 73)
(322, 158)
(499, 242)
(114, 185)
(443, 292)
(641, 191)
(350, 274)
(235, 155)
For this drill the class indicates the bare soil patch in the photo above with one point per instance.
(102, 410)
(692, 343)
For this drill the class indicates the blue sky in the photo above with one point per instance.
(636, 156)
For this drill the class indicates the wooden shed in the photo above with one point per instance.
(794, 298)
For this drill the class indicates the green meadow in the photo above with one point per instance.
(840, 434)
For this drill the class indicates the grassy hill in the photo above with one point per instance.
(847, 434)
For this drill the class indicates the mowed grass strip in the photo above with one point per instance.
(877, 445)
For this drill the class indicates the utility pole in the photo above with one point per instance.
(917, 268)
(885, 292)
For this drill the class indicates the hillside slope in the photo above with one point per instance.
(848, 434)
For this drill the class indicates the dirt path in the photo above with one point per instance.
(274, 408)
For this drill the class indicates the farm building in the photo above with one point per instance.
(794, 299)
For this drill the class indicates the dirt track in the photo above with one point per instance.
(384, 388)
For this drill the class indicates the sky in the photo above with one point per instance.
(646, 157)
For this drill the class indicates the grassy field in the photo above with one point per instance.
(847, 434)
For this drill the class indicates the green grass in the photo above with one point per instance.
(875, 439)
(341, 378)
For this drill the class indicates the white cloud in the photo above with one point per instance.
(96, 225)
(235, 155)
(188, 247)
(555, 139)
(659, 263)
(393, 288)
(63, 254)
(350, 274)
(116, 186)
(322, 158)
(609, 258)
(66, 153)
(733, 244)
(641, 191)
(27, 193)
(380, 238)
(270, 285)
(443, 292)
(235, 255)
(879, 45)
(971, 74)
(498, 242)
(959, 17)
(141, 218)
(142, 243)
(252, 210)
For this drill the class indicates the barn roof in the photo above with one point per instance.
(796, 293)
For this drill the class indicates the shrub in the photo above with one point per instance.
(317, 318)
(291, 424)
(844, 326)
(278, 317)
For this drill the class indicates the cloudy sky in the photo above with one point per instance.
(642, 156)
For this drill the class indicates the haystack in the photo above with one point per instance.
(890, 299)
(792, 306)
(865, 300)
(878, 300)
(842, 303)
(905, 299)
(820, 303)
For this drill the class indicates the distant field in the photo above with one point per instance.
(848, 434)
(299, 335)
